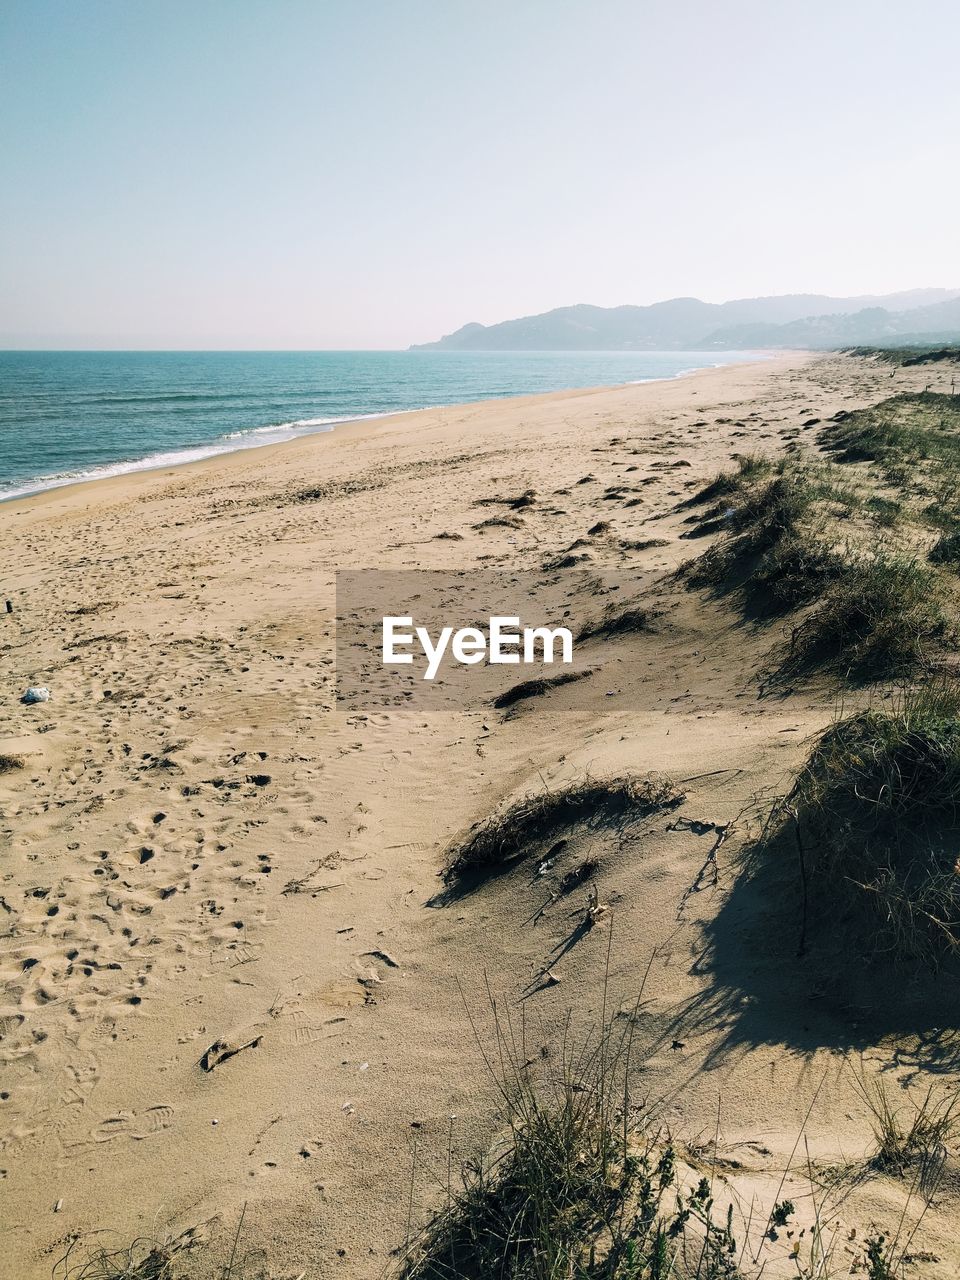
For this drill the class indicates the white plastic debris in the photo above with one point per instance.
(36, 693)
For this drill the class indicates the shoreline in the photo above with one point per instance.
(349, 427)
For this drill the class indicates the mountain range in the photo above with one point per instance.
(687, 324)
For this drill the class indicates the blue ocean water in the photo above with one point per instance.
(67, 416)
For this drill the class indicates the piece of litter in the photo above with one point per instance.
(58, 1206)
(36, 693)
(363, 1066)
(348, 1107)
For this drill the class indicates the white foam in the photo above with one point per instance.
(254, 438)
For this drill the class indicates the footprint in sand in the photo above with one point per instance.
(134, 1124)
(296, 1030)
(78, 1079)
(115, 1126)
(154, 1120)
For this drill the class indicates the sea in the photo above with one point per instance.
(69, 416)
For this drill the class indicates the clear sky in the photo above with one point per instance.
(370, 173)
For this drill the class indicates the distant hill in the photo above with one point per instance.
(794, 320)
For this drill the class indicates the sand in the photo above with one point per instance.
(202, 854)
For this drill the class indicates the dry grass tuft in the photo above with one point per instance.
(146, 1258)
(617, 622)
(143, 1259)
(643, 544)
(750, 468)
(516, 502)
(537, 687)
(500, 522)
(914, 1133)
(946, 550)
(509, 836)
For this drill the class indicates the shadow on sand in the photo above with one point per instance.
(772, 980)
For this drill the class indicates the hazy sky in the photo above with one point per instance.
(370, 173)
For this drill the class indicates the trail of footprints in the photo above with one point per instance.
(142, 898)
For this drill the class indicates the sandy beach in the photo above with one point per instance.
(229, 987)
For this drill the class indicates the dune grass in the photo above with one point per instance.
(516, 501)
(146, 1258)
(796, 534)
(946, 550)
(915, 354)
(880, 617)
(774, 554)
(587, 1184)
(500, 522)
(876, 814)
(885, 512)
(910, 1133)
(909, 436)
(584, 1189)
(507, 837)
(538, 686)
(616, 621)
(750, 467)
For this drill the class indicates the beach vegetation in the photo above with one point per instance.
(801, 534)
(911, 436)
(147, 1258)
(510, 835)
(775, 554)
(585, 1186)
(538, 686)
(907, 356)
(750, 467)
(615, 621)
(910, 1132)
(875, 816)
(879, 617)
(946, 550)
(140, 1260)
